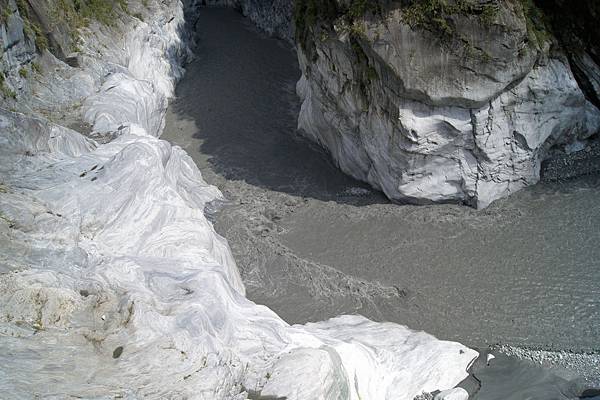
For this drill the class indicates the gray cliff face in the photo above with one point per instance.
(466, 118)
(467, 67)
(31, 34)
(17, 53)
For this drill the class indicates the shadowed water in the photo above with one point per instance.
(244, 107)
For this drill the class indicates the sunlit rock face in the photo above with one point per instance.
(463, 112)
(112, 281)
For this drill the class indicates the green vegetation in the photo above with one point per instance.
(4, 16)
(315, 18)
(36, 67)
(367, 74)
(80, 13)
(311, 16)
(537, 23)
(371, 74)
(41, 41)
(359, 8)
(31, 28)
(73, 14)
(23, 72)
(435, 15)
(308, 14)
(5, 91)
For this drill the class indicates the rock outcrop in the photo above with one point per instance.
(456, 101)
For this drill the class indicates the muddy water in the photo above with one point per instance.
(312, 243)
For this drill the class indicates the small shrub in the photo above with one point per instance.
(4, 16)
(23, 8)
(5, 90)
(36, 67)
(31, 29)
(81, 13)
(359, 8)
(372, 74)
(41, 41)
(434, 15)
(23, 72)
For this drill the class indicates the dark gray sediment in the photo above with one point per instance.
(562, 165)
(312, 243)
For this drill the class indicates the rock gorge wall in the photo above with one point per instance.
(459, 103)
(433, 101)
(112, 281)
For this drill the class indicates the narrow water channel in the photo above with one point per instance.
(312, 243)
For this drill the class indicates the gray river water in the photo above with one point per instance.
(312, 243)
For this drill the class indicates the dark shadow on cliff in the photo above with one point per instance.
(240, 94)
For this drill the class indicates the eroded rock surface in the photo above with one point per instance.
(463, 112)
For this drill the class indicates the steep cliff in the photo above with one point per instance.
(435, 101)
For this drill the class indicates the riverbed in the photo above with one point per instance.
(312, 243)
